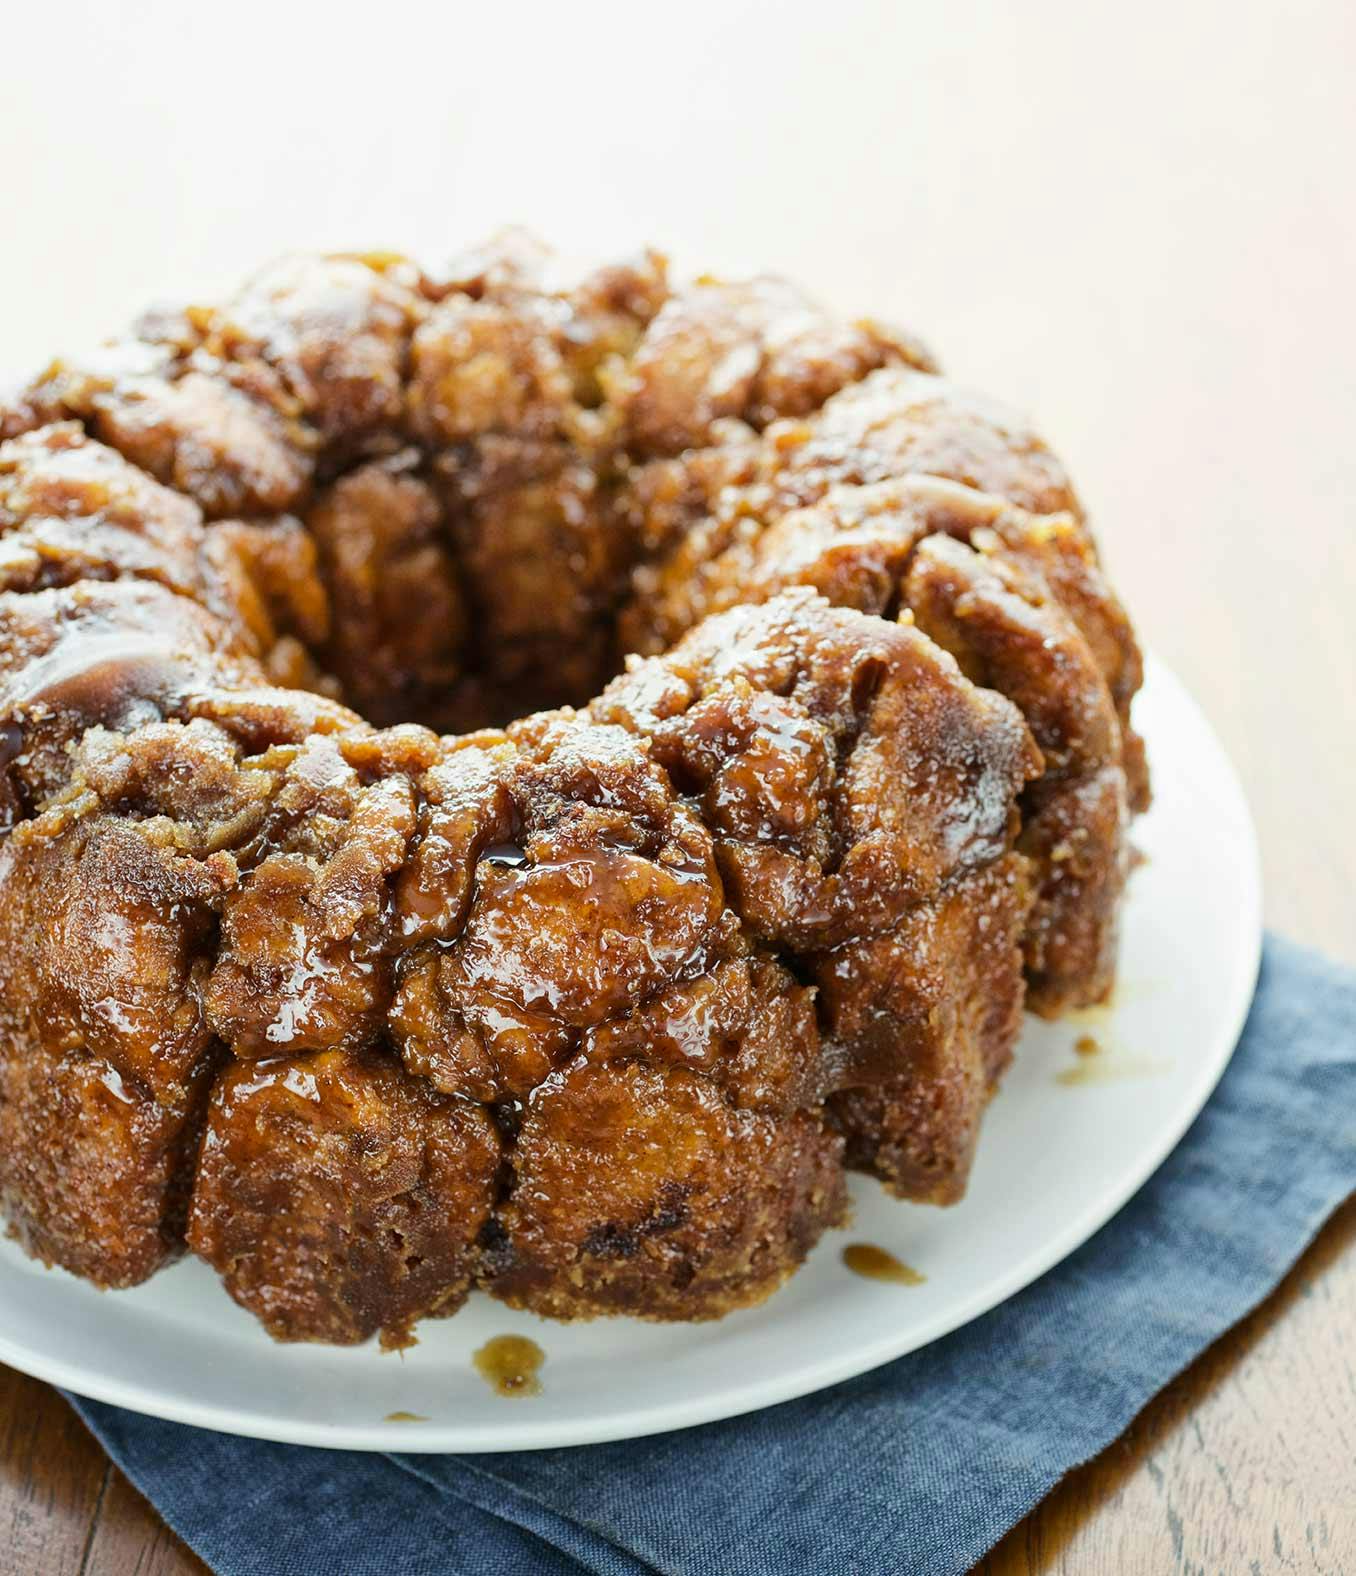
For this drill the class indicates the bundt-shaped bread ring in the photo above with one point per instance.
(590, 1006)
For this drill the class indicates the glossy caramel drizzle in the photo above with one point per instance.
(873, 1263)
(509, 1365)
(1099, 1064)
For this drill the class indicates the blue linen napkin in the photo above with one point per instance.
(919, 1466)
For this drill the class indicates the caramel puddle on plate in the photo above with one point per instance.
(405, 1417)
(1099, 1015)
(873, 1263)
(1099, 1064)
(509, 1365)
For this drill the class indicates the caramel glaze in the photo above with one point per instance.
(11, 747)
(873, 1263)
(509, 1365)
(366, 1019)
(110, 678)
(1099, 1064)
(405, 1417)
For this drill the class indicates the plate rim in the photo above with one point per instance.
(630, 1422)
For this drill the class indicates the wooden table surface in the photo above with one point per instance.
(1136, 223)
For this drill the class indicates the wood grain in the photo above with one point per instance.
(1246, 1464)
(52, 1479)
(129, 1539)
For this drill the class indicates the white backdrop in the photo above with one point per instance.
(1135, 221)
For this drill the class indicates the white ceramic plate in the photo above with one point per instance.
(179, 1348)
